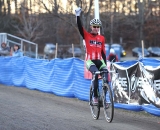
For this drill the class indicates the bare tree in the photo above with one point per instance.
(129, 19)
(152, 31)
(1, 5)
(9, 6)
(29, 26)
(57, 11)
(5, 18)
(16, 6)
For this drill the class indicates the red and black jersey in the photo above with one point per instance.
(95, 44)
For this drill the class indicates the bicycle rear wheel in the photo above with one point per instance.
(95, 109)
(108, 104)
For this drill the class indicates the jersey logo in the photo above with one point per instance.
(95, 42)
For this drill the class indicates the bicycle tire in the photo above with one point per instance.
(108, 104)
(95, 109)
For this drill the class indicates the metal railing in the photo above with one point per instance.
(11, 39)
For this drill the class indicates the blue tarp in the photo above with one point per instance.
(62, 77)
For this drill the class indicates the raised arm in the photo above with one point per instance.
(80, 28)
(79, 24)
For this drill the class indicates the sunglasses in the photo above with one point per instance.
(96, 26)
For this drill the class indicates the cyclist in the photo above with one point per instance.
(95, 49)
(112, 56)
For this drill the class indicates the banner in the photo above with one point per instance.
(136, 84)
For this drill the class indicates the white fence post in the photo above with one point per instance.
(36, 51)
(3, 38)
(56, 50)
(142, 49)
(73, 49)
(22, 45)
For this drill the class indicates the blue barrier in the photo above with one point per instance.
(62, 77)
(151, 109)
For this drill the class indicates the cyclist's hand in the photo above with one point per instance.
(78, 11)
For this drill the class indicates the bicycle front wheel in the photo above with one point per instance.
(95, 109)
(108, 104)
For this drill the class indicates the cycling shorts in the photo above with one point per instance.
(98, 63)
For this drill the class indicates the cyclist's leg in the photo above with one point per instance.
(92, 68)
(104, 67)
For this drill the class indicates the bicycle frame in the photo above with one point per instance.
(103, 78)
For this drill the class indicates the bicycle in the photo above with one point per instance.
(105, 99)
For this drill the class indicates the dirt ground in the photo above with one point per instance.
(24, 109)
